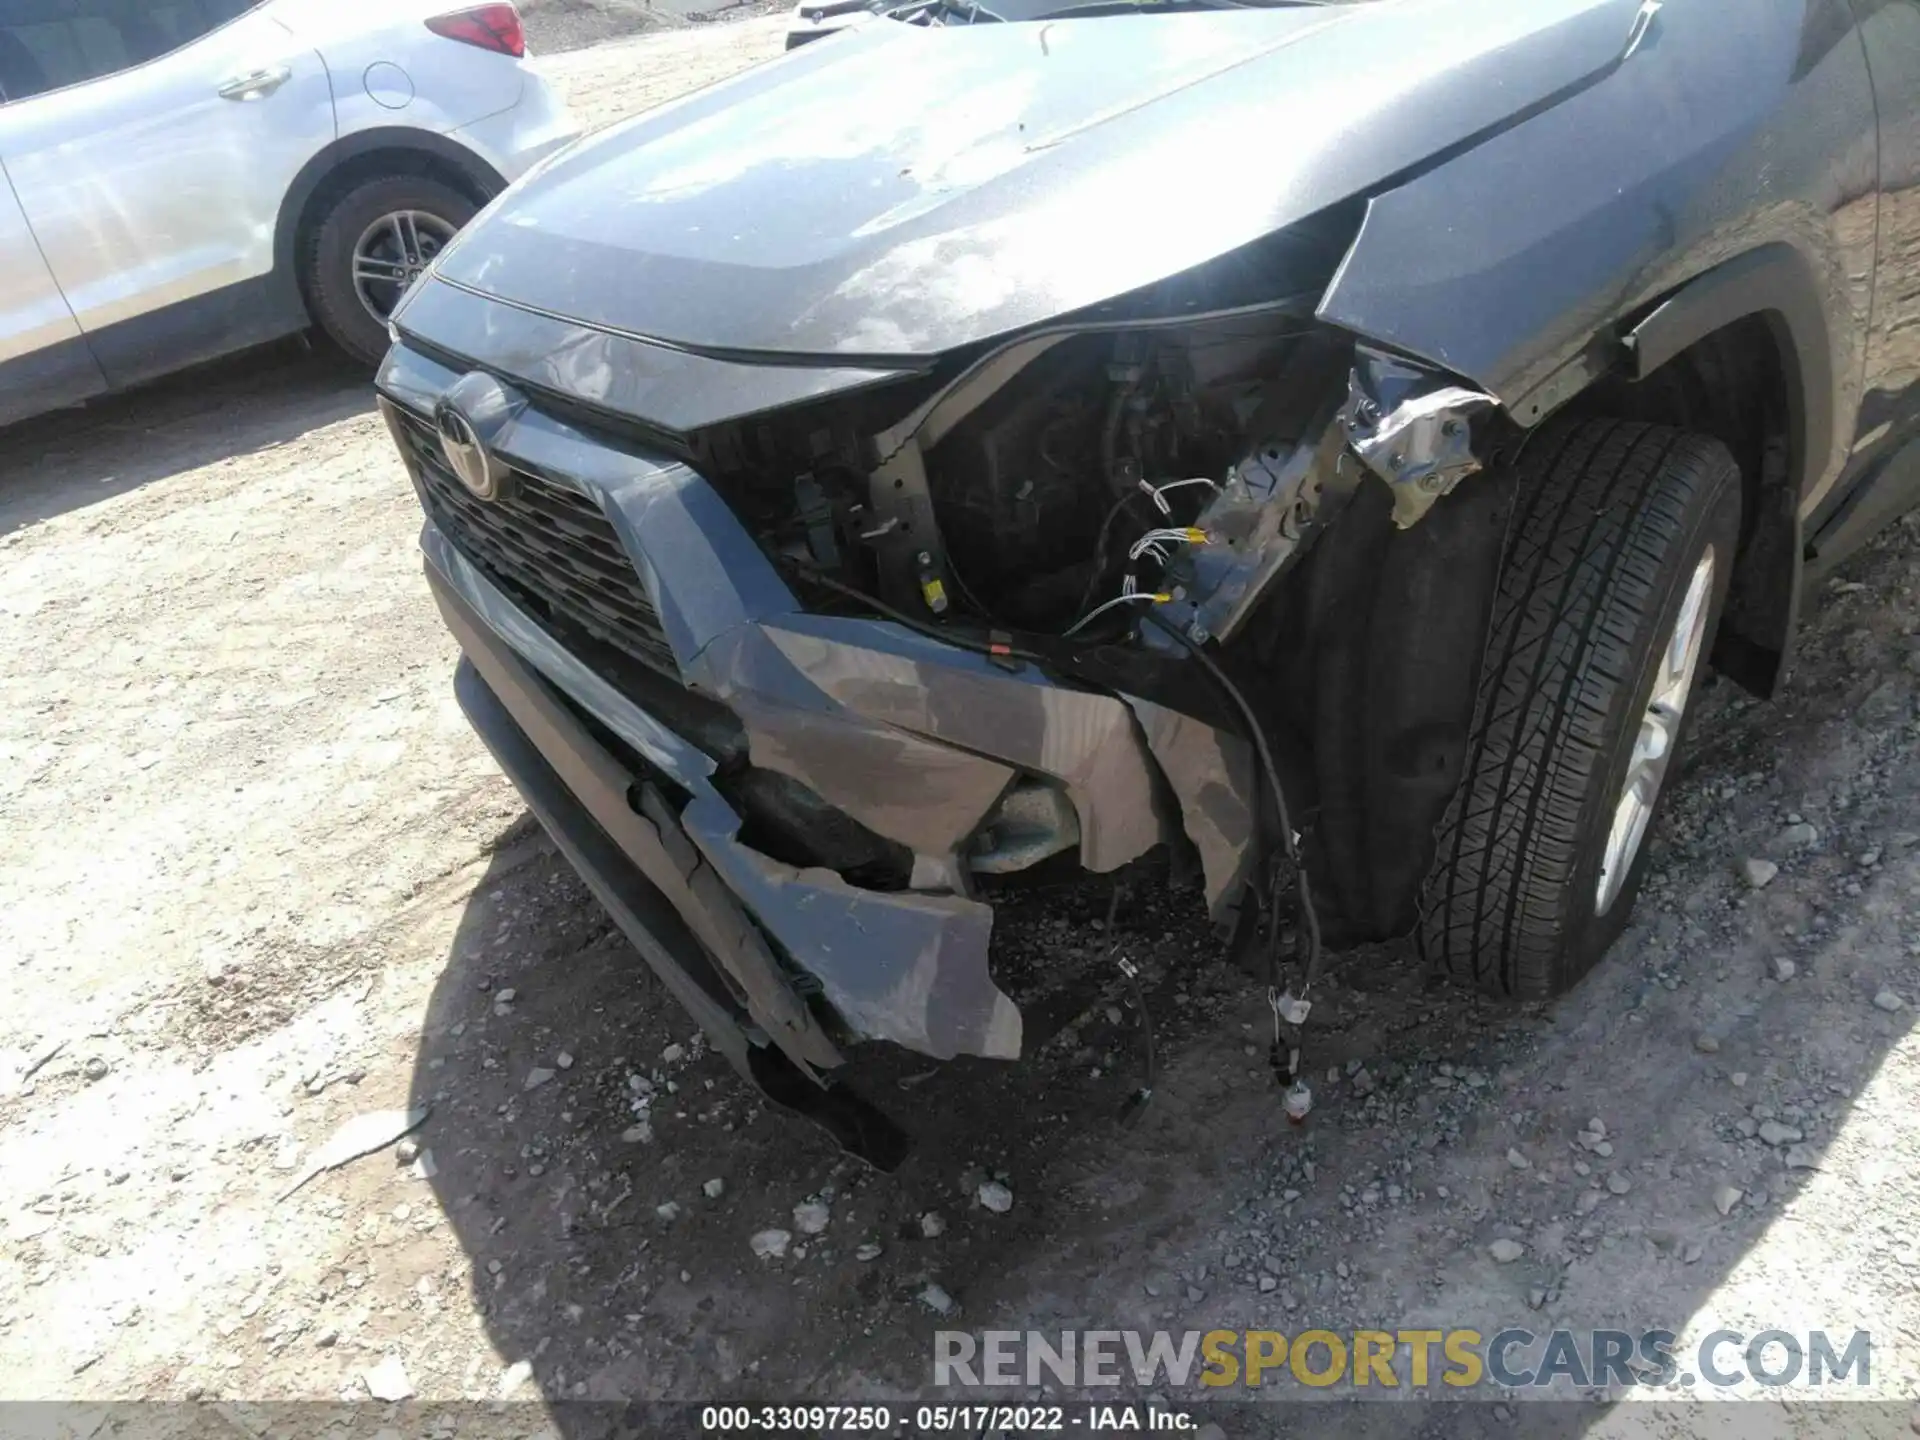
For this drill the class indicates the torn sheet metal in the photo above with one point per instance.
(1412, 428)
(903, 967)
(1083, 739)
(649, 834)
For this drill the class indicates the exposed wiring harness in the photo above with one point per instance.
(1289, 1011)
(997, 646)
(1158, 493)
(1156, 542)
(1149, 1067)
(1155, 597)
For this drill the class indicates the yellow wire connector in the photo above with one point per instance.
(933, 590)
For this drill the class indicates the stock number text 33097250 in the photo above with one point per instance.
(881, 1419)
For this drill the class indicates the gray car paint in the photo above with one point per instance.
(1535, 175)
(1733, 126)
(903, 191)
(674, 389)
(912, 737)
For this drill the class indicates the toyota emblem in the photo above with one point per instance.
(472, 463)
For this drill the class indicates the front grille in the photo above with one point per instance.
(546, 543)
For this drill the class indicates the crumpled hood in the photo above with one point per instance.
(899, 190)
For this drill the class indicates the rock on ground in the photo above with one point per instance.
(811, 1217)
(388, 1380)
(772, 1244)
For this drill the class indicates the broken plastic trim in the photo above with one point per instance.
(918, 738)
(1412, 427)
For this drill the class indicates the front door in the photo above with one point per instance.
(152, 161)
(43, 361)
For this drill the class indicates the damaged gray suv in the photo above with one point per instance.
(1323, 444)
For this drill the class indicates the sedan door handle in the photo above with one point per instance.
(256, 86)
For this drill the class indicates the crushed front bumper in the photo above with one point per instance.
(916, 740)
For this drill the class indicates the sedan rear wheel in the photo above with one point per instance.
(371, 243)
(391, 253)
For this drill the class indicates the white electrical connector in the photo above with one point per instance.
(1299, 1101)
(1157, 543)
(1153, 541)
(1158, 493)
(1157, 598)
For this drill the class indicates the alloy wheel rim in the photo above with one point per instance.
(1678, 658)
(392, 253)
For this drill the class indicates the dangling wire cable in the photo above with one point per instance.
(1291, 1009)
(1122, 599)
(1257, 733)
(1159, 492)
(1154, 541)
(1100, 547)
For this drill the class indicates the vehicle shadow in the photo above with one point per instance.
(579, 1126)
(71, 459)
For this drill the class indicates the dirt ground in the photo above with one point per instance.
(258, 879)
(557, 26)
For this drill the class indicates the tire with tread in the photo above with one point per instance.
(1610, 520)
(326, 254)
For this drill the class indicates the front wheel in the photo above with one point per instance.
(371, 243)
(1616, 569)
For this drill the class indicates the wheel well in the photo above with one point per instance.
(1733, 384)
(368, 156)
(1376, 664)
(374, 165)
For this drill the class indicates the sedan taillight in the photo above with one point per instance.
(491, 27)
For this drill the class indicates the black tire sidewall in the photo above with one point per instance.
(1714, 519)
(332, 298)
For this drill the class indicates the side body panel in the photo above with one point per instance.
(389, 69)
(1732, 127)
(1883, 478)
(482, 179)
(43, 361)
(1890, 406)
(152, 187)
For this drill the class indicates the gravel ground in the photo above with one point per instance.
(556, 26)
(259, 880)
